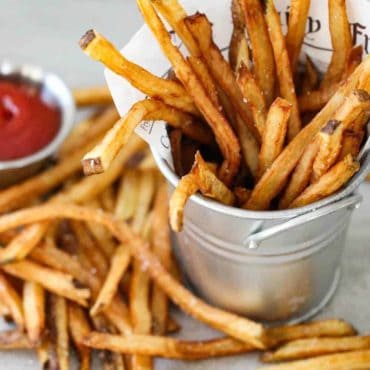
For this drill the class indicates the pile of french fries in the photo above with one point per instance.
(259, 131)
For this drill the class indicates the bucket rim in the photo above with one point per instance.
(215, 206)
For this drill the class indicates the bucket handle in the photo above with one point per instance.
(253, 240)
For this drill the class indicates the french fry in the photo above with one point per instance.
(46, 354)
(128, 194)
(276, 176)
(242, 195)
(341, 361)
(262, 52)
(311, 77)
(14, 339)
(10, 297)
(329, 183)
(166, 347)
(254, 95)
(79, 328)
(34, 310)
(301, 175)
(298, 14)
(331, 135)
(54, 281)
(201, 29)
(118, 266)
(172, 326)
(171, 92)
(341, 39)
(224, 135)
(59, 333)
(97, 95)
(100, 158)
(239, 51)
(306, 348)
(275, 132)
(283, 68)
(209, 184)
(240, 328)
(107, 198)
(161, 245)
(184, 190)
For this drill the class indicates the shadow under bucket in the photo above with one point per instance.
(274, 266)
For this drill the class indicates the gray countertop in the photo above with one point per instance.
(46, 33)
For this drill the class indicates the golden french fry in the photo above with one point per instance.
(46, 354)
(242, 195)
(172, 326)
(341, 39)
(79, 328)
(171, 92)
(184, 190)
(107, 198)
(54, 281)
(224, 135)
(209, 184)
(331, 135)
(310, 78)
(275, 132)
(238, 327)
(298, 14)
(262, 52)
(34, 310)
(161, 245)
(10, 297)
(166, 347)
(254, 95)
(328, 183)
(14, 339)
(301, 175)
(239, 51)
(97, 95)
(283, 68)
(341, 361)
(100, 158)
(276, 176)
(201, 29)
(306, 348)
(118, 266)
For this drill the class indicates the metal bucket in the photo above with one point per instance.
(274, 266)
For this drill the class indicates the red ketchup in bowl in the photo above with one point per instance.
(27, 122)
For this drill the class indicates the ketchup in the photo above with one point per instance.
(27, 123)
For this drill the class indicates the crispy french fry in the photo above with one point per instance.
(301, 175)
(34, 310)
(166, 347)
(54, 281)
(341, 39)
(171, 92)
(128, 194)
(254, 95)
(329, 183)
(298, 14)
(184, 190)
(283, 68)
(118, 266)
(79, 328)
(341, 361)
(306, 348)
(107, 198)
(14, 339)
(201, 29)
(311, 77)
(172, 326)
(239, 51)
(240, 328)
(59, 334)
(262, 52)
(100, 158)
(224, 135)
(312, 101)
(276, 176)
(209, 184)
(161, 245)
(46, 355)
(10, 297)
(274, 136)
(331, 135)
(242, 195)
(97, 95)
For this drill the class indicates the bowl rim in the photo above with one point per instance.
(63, 95)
